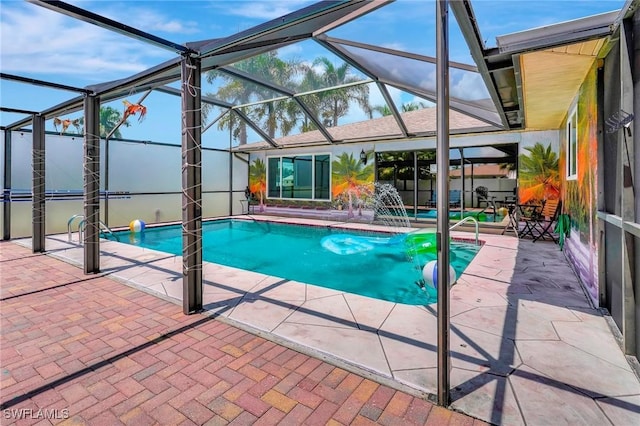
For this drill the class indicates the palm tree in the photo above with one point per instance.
(413, 106)
(312, 80)
(539, 174)
(351, 178)
(258, 180)
(283, 114)
(270, 68)
(335, 103)
(233, 122)
(398, 165)
(510, 168)
(384, 110)
(109, 119)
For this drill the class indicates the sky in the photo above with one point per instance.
(45, 45)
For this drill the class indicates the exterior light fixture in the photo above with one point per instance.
(363, 157)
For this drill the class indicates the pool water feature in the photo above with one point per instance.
(386, 271)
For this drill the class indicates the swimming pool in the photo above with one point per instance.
(455, 215)
(376, 266)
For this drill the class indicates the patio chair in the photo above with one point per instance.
(454, 198)
(482, 192)
(541, 223)
(521, 217)
(433, 200)
(249, 203)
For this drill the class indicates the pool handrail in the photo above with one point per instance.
(467, 219)
(70, 221)
(104, 226)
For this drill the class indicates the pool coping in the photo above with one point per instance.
(392, 343)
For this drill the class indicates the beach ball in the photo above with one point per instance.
(430, 274)
(503, 211)
(136, 225)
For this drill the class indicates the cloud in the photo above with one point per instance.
(291, 50)
(470, 86)
(395, 46)
(264, 9)
(421, 101)
(151, 21)
(462, 85)
(376, 98)
(38, 41)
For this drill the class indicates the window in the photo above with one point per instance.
(322, 177)
(572, 144)
(273, 173)
(304, 177)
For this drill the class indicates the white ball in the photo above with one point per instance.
(430, 274)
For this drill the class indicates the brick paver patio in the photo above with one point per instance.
(83, 349)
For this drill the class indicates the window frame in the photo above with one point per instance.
(571, 133)
(313, 156)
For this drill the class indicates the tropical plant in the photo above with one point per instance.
(235, 124)
(258, 180)
(384, 110)
(508, 167)
(539, 174)
(271, 69)
(399, 165)
(413, 106)
(109, 120)
(311, 82)
(329, 106)
(351, 179)
(395, 165)
(284, 115)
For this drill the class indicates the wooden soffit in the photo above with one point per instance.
(551, 79)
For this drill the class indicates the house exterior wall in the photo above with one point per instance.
(579, 194)
(348, 174)
(501, 187)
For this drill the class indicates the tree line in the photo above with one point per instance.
(284, 115)
(281, 115)
(307, 79)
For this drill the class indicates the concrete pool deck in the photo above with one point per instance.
(527, 347)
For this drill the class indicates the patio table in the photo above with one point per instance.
(516, 211)
(526, 210)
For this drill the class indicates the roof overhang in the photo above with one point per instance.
(561, 34)
(534, 75)
(551, 79)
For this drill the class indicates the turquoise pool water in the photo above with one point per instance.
(377, 264)
(481, 217)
